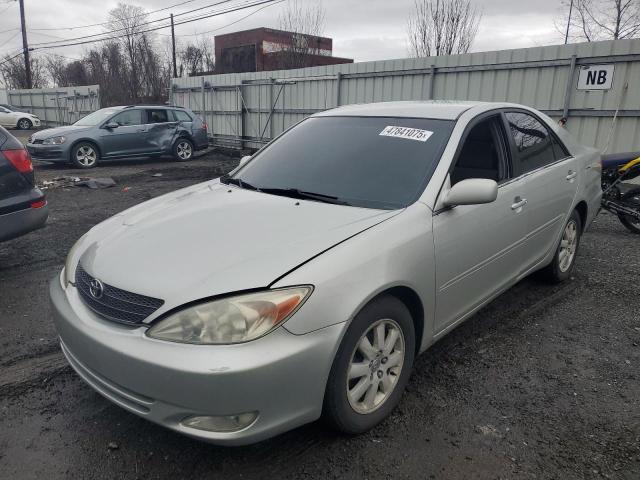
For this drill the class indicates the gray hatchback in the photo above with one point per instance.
(122, 132)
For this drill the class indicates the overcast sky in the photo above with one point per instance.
(361, 29)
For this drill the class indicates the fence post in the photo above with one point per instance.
(44, 108)
(432, 82)
(338, 81)
(567, 92)
(171, 99)
(204, 109)
(242, 115)
(271, 108)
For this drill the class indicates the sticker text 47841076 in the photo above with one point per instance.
(406, 133)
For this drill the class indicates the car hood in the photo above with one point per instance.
(54, 132)
(212, 239)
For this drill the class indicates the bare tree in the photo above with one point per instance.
(196, 58)
(127, 21)
(303, 21)
(442, 27)
(600, 19)
(14, 75)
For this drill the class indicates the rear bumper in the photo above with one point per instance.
(281, 376)
(18, 223)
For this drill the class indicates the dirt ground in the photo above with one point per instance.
(543, 383)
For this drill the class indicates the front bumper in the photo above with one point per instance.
(281, 376)
(51, 153)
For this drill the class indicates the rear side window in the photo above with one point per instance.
(130, 117)
(534, 143)
(157, 116)
(182, 116)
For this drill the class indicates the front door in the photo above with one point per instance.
(550, 176)
(7, 119)
(128, 138)
(478, 248)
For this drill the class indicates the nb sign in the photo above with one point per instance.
(595, 77)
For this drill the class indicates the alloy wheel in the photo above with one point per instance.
(568, 246)
(184, 150)
(24, 124)
(86, 156)
(375, 366)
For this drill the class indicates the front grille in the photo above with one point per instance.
(115, 304)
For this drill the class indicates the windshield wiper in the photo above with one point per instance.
(236, 181)
(303, 195)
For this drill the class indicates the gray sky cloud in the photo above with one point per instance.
(361, 29)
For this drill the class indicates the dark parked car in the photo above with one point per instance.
(23, 207)
(122, 132)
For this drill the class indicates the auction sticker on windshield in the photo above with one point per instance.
(407, 133)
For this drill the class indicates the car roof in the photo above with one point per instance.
(436, 109)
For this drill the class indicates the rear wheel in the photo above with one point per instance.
(563, 262)
(632, 199)
(372, 367)
(183, 150)
(85, 155)
(24, 124)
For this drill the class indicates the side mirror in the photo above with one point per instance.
(472, 191)
(111, 125)
(244, 160)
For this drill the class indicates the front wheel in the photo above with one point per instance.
(84, 155)
(632, 200)
(24, 124)
(372, 367)
(183, 150)
(563, 261)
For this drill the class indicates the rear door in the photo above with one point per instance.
(160, 130)
(549, 176)
(127, 138)
(479, 248)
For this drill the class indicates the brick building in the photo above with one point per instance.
(263, 49)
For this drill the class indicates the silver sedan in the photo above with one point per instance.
(304, 283)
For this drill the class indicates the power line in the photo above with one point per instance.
(140, 25)
(234, 22)
(106, 23)
(229, 10)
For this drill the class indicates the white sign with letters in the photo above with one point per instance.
(595, 77)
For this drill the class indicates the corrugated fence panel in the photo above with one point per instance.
(57, 106)
(247, 109)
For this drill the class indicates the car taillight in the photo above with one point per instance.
(205, 127)
(20, 159)
(39, 203)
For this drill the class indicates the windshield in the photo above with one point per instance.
(96, 117)
(374, 162)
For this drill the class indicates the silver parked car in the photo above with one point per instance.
(305, 282)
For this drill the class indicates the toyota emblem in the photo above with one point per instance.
(96, 288)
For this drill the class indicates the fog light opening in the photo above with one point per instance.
(221, 423)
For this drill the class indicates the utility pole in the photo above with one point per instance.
(25, 46)
(173, 45)
(566, 35)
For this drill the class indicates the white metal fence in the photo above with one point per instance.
(247, 109)
(57, 106)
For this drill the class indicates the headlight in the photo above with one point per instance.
(71, 263)
(231, 320)
(54, 141)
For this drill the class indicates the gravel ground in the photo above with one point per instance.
(542, 383)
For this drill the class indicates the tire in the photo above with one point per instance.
(631, 197)
(347, 403)
(24, 124)
(183, 150)
(561, 267)
(85, 155)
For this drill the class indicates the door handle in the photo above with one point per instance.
(518, 203)
(571, 175)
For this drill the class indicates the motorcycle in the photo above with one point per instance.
(617, 168)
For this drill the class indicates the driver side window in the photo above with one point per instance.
(128, 118)
(481, 155)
